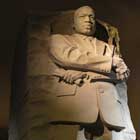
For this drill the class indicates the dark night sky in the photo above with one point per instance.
(123, 14)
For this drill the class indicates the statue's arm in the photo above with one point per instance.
(69, 57)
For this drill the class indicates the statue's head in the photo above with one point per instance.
(84, 20)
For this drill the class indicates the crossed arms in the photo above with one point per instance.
(71, 59)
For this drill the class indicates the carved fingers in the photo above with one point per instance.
(72, 76)
(121, 68)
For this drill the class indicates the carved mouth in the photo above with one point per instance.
(88, 27)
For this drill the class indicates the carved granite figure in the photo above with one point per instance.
(70, 85)
(83, 92)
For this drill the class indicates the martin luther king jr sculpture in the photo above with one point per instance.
(92, 69)
(84, 88)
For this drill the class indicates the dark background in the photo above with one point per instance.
(123, 14)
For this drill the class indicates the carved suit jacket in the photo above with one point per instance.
(71, 103)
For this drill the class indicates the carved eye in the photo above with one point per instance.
(92, 17)
(82, 16)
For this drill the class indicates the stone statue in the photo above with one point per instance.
(79, 90)
(85, 79)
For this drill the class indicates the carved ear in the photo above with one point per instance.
(73, 26)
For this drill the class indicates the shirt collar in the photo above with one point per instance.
(83, 36)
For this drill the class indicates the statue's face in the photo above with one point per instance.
(84, 21)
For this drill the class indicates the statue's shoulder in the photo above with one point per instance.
(59, 40)
(57, 37)
(101, 43)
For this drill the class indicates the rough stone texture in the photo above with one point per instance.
(29, 89)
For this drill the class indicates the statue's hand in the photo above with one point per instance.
(124, 75)
(116, 61)
(121, 68)
(72, 76)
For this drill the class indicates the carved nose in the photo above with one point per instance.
(87, 18)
